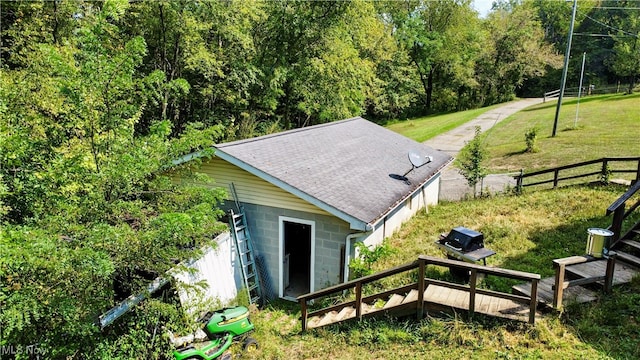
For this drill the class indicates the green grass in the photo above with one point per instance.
(426, 127)
(527, 232)
(607, 126)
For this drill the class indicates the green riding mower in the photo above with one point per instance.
(221, 328)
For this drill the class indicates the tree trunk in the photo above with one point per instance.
(429, 88)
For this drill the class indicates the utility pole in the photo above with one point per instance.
(566, 66)
(575, 122)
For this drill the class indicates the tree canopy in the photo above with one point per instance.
(97, 98)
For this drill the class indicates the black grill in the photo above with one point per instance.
(463, 240)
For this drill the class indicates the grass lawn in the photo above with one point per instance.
(527, 232)
(424, 128)
(607, 126)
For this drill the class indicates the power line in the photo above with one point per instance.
(601, 35)
(610, 27)
(615, 8)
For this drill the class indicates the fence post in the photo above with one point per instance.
(421, 288)
(359, 300)
(519, 181)
(303, 316)
(472, 291)
(611, 265)
(559, 286)
(637, 173)
(534, 301)
(604, 174)
(616, 223)
(556, 173)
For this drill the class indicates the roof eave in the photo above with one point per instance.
(354, 223)
(409, 195)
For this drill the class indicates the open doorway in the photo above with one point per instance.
(296, 257)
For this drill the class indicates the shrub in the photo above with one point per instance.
(530, 137)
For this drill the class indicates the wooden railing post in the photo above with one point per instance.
(473, 280)
(559, 286)
(519, 182)
(359, 300)
(556, 174)
(303, 311)
(616, 223)
(611, 266)
(605, 170)
(534, 301)
(421, 289)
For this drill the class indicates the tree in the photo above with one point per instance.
(625, 60)
(516, 51)
(470, 159)
(87, 208)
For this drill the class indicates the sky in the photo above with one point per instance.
(482, 6)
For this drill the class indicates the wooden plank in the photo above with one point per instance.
(483, 304)
(395, 300)
(545, 294)
(346, 313)
(327, 319)
(632, 243)
(628, 258)
(411, 296)
(587, 270)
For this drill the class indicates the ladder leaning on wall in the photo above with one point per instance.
(244, 250)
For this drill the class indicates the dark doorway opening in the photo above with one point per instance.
(296, 259)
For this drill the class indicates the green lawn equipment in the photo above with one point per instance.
(220, 330)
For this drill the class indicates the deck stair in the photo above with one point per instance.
(424, 296)
(580, 279)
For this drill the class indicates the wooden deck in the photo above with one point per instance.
(623, 274)
(440, 296)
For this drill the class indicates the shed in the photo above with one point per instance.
(309, 194)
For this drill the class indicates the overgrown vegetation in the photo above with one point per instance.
(362, 265)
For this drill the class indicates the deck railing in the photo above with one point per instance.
(604, 171)
(620, 214)
(560, 284)
(420, 264)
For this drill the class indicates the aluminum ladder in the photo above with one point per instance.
(244, 250)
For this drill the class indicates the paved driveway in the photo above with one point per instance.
(453, 186)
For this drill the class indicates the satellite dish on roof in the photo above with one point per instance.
(416, 161)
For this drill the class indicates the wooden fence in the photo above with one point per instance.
(604, 171)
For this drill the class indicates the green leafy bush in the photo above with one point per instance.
(363, 264)
(530, 138)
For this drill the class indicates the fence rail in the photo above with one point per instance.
(604, 171)
(586, 91)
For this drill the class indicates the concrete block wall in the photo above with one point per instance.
(330, 235)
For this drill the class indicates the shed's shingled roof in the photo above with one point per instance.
(342, 167)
